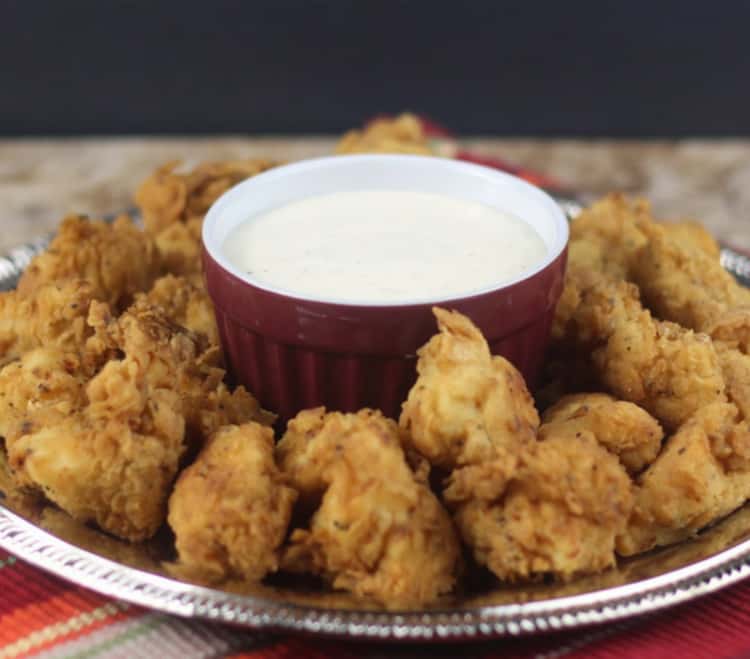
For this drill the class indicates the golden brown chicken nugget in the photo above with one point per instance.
(185, 301)
(701, 475)
(53, 315)
(117, 260)
(47, 383)
(682, 283)
(402, 134)
(623, 428)
(169, 196)
(559, 515)
(694, 234)
(466, 407)
(112, 456)
(378, 531)
(669, 371)
(609, 233)
(180, 246)
(231, 508)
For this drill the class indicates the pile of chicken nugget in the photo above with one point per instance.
(114, 407)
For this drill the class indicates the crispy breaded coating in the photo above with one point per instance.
(623, 428)
(693, 233)
(603, 241)
(606, 241)
(732, 329)
(210, 404)
(669, 371)
(524, 508)
(682, 283)
(207, 403)
(582, 272)
(113, 459)
(559, 515)
(173, 205)
(168, 196)
(702, 474)
(180, 245)
(117, 260)
(185, 301)
(53, 315)
(231, 508)
(402, 134)
(467, 408)
(735, 368)
(611, 232)
(111, 468)
(379, 532)
(111, 454)
(47, 384)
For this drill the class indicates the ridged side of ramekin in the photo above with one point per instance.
(288, 378)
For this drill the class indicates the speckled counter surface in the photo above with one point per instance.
(41, 180)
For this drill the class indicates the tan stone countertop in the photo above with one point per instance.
(42, 179)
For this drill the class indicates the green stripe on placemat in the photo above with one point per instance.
(7, 561)
(158, 635)
(137, 629)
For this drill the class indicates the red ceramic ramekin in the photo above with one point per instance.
(294, 353)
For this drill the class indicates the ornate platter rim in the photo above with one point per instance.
(48, 552)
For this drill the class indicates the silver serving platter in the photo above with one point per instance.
(44, 536)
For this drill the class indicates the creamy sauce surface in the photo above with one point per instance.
(383, 246)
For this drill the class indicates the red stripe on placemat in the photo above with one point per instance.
(714, 627)
(21, 584)
(309, 648)
(35, 607)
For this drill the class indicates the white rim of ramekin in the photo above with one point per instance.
(254, 186)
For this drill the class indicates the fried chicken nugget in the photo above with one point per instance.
(112, 457)
(467, 409)
(682, 283)
(702, 474)
(112, 460)
(117, 260)
(606, 241)
(560, 514)
(669, 371)
(173, 205)
(180, 245)
(231, 508)
(206, 402)
(623, 428)
(111, 468)
(44, 382)
(402, 134)
(609, 233)
(185, 301)
(379, 532)
(51, 315)
(168, 196)
(694, 234)
(603, 241)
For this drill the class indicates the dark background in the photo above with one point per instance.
(627, 69)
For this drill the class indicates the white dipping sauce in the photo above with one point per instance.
(383, 246)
